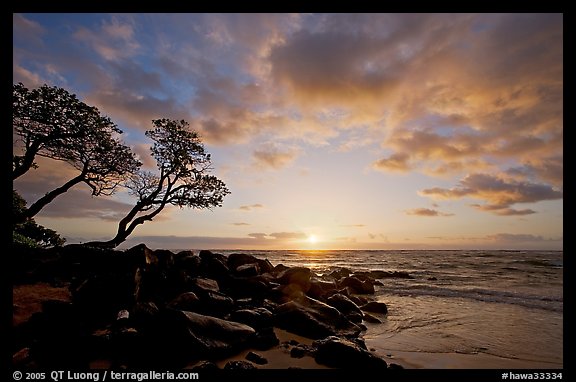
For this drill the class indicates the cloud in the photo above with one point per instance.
(113, 41)
(80, 204)
(353, 225)
(498, 193)
(426, 212)
(259, 236)
(509, 237)
(250, 207)
(239, 224)
(396, 162)
(26, 29)
(498, 210)
(288, 235)
(274, 158)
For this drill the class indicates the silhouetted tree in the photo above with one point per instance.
(181, 180)
(50, 122)
(29, 232)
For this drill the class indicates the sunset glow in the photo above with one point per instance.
(332, 131)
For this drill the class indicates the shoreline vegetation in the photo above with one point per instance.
(85, 307)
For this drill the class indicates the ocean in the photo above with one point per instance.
(475, 308)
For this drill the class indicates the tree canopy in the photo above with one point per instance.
(50, 122)
(181, 180)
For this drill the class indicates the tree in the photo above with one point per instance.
(29, 232)
(181, 180)
(50, 122)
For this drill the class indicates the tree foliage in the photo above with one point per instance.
(181, 180)
(29, 233)
(50, 122)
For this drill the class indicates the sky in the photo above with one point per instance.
(332, 131)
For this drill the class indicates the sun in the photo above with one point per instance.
(312, 239)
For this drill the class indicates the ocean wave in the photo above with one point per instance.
(546, 302)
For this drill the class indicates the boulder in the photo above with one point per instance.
(344, 354)
(340, 273)
(239, 365)
(213, 265)
(186, 301)
(235, 260)
(204, 336)
(358, 286)
(370, 318)
(256, 358)
(313, 319)
(203, 285)
(206, 365)
(256, 318)
(264, 339)
(387, 274)
(248, 270)
(297, 276)
(343, 304)
(320, 288)
(375, 307)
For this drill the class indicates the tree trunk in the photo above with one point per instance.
(26, 162)
(48, 198)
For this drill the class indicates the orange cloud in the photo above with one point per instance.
(274, 158)
(499, 194)
(426, 212)
(250, 207)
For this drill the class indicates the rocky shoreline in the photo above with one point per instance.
(144, 308)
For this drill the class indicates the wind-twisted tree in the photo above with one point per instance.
(181, 180)
(29, 232)
(50, 122)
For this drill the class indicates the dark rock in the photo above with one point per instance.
(21, 358)
(320, 288)
(343, 304)
(256, 358)
(203, 285)
(164, 258)
(236, 260)
(432, 278)
(240, 287)
(208, 255)
(340, 273)
(101, 297)
(395, 366)
(204, 335)
(239, 365)
(213, 265)
(285, 293)
(313, 319)
(248, 270)
(256, 318)
(358, 300)
(264, 339)
(206, 365)
(186, 301)
(356, 318)
(375, 307)
(270, 305)
(370, 318)
(342, 353)
(215, 304)
(297, 276)
(358, 286)
(190, 264)
(265, 266)
(301, 350)
(279, 268)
